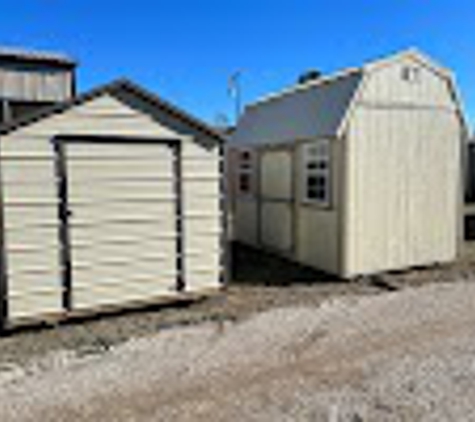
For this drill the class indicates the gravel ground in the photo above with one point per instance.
(231, 345)
(400, 356)
(260, 282)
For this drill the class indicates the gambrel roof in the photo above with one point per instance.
(321, 107)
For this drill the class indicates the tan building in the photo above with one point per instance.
(354, 173)
(109, 199)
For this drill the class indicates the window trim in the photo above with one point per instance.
(317, 171)
(245, 168)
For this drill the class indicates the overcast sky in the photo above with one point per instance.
(186, 50)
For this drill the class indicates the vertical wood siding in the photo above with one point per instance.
(402, 203)
(245, 226)
(317, 228)
(276, 196)
(48, 85)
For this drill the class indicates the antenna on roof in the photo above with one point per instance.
(234, 91)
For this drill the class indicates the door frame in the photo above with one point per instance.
(60, 143)
(290, 202)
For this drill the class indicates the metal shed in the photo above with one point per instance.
(111, 199)
(354, 173)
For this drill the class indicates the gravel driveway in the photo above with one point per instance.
(281, 343)
(400, 356)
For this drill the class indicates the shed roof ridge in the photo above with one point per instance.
(111, 88)
(323, 80)
(366, 66)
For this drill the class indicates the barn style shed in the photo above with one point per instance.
(110, 199)
(354, 173)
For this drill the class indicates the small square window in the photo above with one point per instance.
(410, 74)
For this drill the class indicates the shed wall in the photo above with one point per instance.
(288, 225)
(318, 228)
(402, 187)
(386, 85)
(29, 186)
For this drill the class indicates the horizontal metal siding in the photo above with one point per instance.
(110, 121)
(202, 215)
(102, 209)
(35, 241)
(31, 237)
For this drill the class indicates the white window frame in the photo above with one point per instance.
(316, 172)
(245, 168)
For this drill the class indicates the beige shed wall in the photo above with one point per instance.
(245, 212)
(29, 187)
(288, 225)
(402, 189)
(318, 228)
(385, 84)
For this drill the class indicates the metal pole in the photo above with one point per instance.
(234, 90)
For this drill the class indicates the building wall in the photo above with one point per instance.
(278, 219)
(22, 82)
(31, 204)
(318, 228)
(403, 174)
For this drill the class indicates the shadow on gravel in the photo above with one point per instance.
(256, 267)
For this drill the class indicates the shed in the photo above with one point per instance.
(353, 173)
(109, 200)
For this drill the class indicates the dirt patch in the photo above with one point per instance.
(260, 282)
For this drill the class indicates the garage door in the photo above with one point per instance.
(122, 229)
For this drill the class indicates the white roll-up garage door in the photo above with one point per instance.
(122, 221)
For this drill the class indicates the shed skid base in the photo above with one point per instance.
(58, 318)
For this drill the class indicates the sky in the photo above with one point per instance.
(186, 50)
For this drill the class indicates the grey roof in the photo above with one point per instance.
(306, 111)
(115, 88)
(35, 56)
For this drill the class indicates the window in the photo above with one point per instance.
(316, 162)
(410, 74)
(245, 170)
